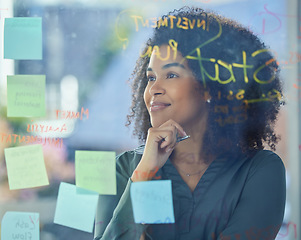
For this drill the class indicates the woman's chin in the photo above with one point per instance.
(157, 122)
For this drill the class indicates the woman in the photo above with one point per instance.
(205, 76)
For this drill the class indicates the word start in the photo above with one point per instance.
(172, 49)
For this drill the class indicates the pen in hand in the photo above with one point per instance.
(179, 139)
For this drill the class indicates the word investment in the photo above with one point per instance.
(183, 23)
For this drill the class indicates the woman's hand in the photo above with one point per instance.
(159, 145)
(142, 236)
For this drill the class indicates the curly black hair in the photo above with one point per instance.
(238, 74)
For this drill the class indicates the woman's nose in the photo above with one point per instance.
(157, 88)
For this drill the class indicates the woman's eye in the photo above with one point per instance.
(172, 75)
(151, 78)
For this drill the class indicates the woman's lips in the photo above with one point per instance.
(157, 106)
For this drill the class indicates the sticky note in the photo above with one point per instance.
(25, 167)
(20, 225)
(96, 171)
(26, 96)
(23, 38)
(152, 202)
(75, 210)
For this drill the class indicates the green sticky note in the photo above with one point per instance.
(20, 225)
(25, 167)
(26, 96)
(75, 210)
(23, 38)
(96, 171)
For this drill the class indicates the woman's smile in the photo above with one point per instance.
(157, 106)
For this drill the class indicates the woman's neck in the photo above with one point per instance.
(191, 149)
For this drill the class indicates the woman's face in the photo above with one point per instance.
(172, 91)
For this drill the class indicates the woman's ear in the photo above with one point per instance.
(206, 95)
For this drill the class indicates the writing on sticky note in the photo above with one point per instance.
(23, 38)
(152, 202)
(96, 171)
(20, 225)
(75, 209)
(26, 96)
(25, 167)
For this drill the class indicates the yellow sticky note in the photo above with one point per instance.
(25, 167)
(96, 171)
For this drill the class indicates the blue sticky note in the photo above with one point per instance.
(75, 209)
(20, 225)
(152, 202)
(23, 38)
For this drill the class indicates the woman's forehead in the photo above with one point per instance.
(162, 55)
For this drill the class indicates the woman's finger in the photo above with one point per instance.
(171, 122)
(163, 137)
(171, 137)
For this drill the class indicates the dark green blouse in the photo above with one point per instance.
(236, 198)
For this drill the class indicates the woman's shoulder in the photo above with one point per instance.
(128, 160)
(263, 157)
(266, 159)
(130, 154)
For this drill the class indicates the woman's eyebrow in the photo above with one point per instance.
(168, 66)
(173, 65)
